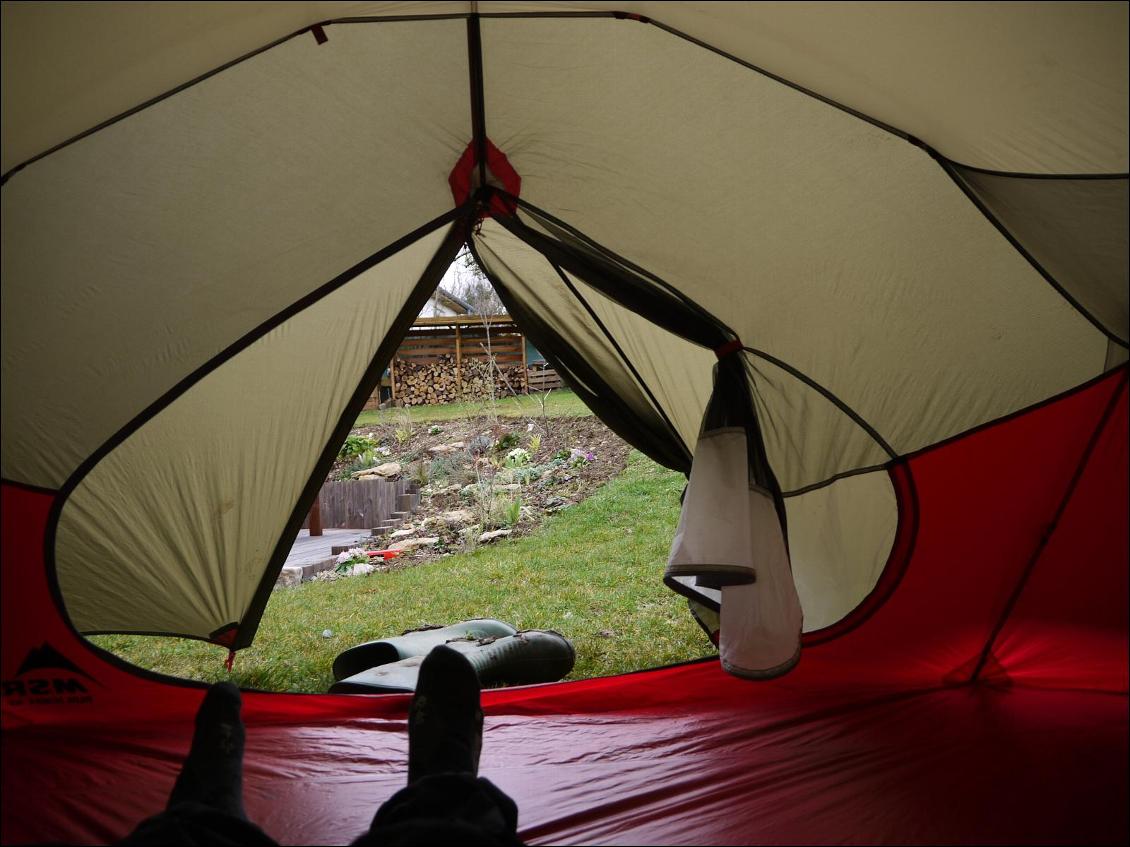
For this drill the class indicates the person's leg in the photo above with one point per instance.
(445, 802)
(206, 803)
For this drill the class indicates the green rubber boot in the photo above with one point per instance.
(413, 643)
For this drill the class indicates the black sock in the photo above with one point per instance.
(213, 771)
(445, 723)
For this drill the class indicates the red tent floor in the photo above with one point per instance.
(1018, 566)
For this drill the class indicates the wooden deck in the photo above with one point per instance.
(309, 550)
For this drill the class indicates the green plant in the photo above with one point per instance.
(506, 442)
(505, 511)
(346, 560)
(355, 445)
(419, 473)
(402, 435)
(518, 458)
(579, 458)
(528, 474)
(534, 444)
(444, 467)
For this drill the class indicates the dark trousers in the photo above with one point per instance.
(441, 809)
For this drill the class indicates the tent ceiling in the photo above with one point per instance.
(1029, 87)
(191, 223)
(889, 298)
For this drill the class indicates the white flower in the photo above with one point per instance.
(518, 457)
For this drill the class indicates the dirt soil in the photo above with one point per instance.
(472, 482)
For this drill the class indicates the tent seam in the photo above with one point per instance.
(610, 15)
(950, 169)
(27, 486)
(620, 352)
(1049, 529)
(830, 396)
(1005, 418)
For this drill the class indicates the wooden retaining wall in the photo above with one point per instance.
(359, 503)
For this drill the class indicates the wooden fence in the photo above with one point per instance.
(542, 377)
(360, 503)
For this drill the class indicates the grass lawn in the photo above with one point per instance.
(559, 403)
(592, 572)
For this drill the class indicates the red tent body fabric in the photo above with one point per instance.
(1017, 576)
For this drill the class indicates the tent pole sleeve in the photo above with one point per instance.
(478, 109)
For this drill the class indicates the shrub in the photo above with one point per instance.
(355, 445)
(506, 442)
(444, 467)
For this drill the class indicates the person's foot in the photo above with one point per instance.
(445, 723)
(213, 771)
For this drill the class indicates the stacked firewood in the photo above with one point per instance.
(439, 381)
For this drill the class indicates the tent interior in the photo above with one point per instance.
(862, 265)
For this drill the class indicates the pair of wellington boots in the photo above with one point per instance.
(500, 655)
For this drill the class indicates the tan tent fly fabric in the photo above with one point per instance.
(842, 233)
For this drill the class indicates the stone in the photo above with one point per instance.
(388, 469)
(327, 633)
(439, 450)
(289, 578)
(413, 543)
(362, 569)
(403, 533)
(457, 516)
(491, 536)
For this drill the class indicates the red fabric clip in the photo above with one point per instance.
(230, 660)
(728, 348)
